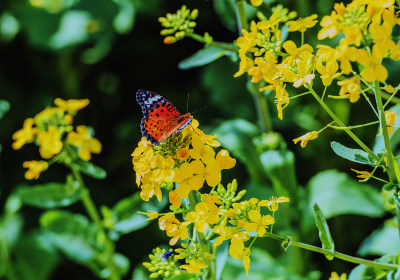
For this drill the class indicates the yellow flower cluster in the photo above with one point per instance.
(47, 130)
(367, 27)
(178, 25)
(247, 218)
(186, 158)
(182, 164)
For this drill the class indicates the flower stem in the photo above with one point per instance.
(241, 16)
(262, 109)
(94, 215)
(259, 99)
(348, 258)
(4, 255)
(389, 154)
(341, 124)
(221, 45)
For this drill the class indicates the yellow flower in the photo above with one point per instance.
(281, 99)
(174, 199)
(306, 137)
(182, 154)
(329, 26)
(142, 163)
(304, 69)
(302, 23)
(364, 175)
(173, 227)
(49, 116)
(25, 135)
(295, 52)
(374, 70)
(335, 276)
(72, 105)
(83, 140)
(256, 3)
(259, 222)
(203, 216)
(34, 168)
(150, 214)
(224, 160)
(328, 72)
(201, 151)
(163, 167)
(189, 176)
(194, 266)
(150, 186)
(350, 88)
(239, 252)
(273, 203)
(50, 142)
(390, 119)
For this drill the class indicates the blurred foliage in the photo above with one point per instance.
(105, 50)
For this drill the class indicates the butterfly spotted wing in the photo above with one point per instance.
(160, 117)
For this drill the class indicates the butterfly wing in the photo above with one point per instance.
(160, 117)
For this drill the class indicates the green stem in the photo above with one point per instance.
(241, 16)
(338, 255)
(340, 123)
(353, 126)
(259, 99)
(94, 215)
(385, 134)
(390, 98)
(262, 109)
(8, 266)
(221, 45)
(204, 244)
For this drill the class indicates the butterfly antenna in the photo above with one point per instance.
(201, 109)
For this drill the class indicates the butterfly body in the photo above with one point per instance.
(160, 117)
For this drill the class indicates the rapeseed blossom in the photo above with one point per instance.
(52, 130)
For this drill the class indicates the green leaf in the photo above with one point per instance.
(324, 233)
(4, 107)
(262, 266)
(11, 228)
(77, 238)
(204, 56)
(363, 272)
(140, 273)
(123, 21)
(50, 195)
(222, 257)
(122, 264)
(126, 212)
(337, 194)
(88, 168)
(355, 155)
(383, 241)
(236, 136)
(27, 263)
(279, 166)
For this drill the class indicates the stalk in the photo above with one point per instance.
(341, 124)
(348, 258)
(94, 215)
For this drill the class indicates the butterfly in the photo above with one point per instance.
(161, 119)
